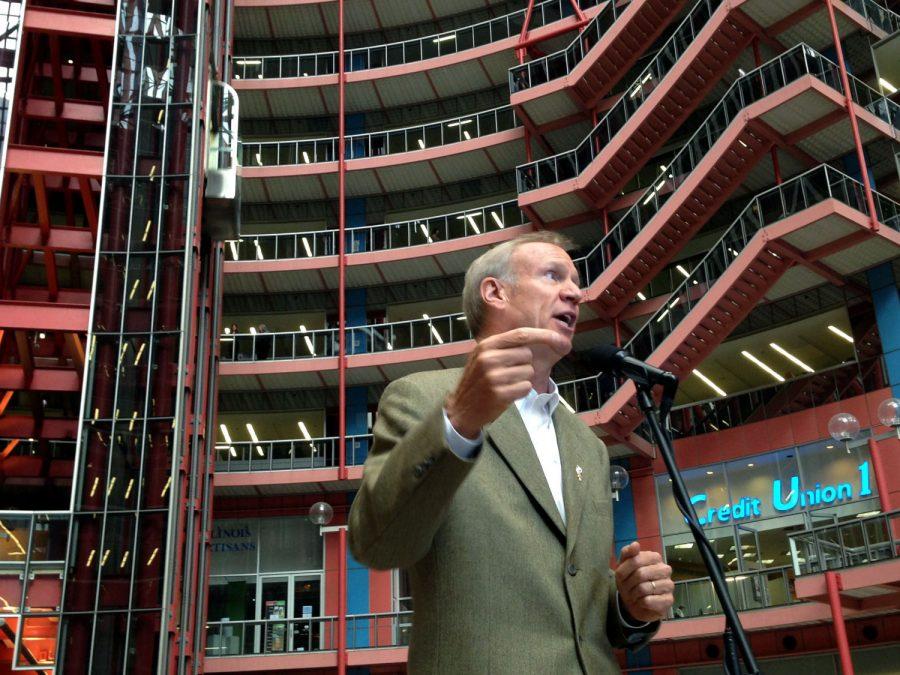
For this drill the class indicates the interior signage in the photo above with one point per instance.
(782, 499)
(233, 539)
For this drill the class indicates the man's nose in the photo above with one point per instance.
(573, 293)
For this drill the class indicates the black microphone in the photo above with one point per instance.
(620, 362)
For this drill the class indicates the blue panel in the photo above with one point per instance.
(356, 218)
(886, 299)
(357, 602)
(623, 514)
(850, 165)
(357, 424)
(356, 316)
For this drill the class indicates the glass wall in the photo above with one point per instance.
(265, 586)
(748, 506)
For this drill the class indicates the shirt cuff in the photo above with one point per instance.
(461, 446)
(625, 622)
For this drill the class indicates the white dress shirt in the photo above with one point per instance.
(536, 411)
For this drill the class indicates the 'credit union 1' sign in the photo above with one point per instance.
(748, 507)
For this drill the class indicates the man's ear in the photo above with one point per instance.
(492, 292)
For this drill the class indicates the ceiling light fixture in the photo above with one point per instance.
(709, 383)
(841, 334)
(747, 355)
(790, 357)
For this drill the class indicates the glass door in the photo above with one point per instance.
(747, 590)
(306, 607)
(271, 635)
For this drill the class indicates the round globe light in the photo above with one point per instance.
(321, 513)
(843, 427)
(618, 477)
(889, 412)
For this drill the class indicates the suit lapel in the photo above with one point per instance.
(572, 458)
(510, 438)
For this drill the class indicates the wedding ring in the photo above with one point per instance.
(653, 586)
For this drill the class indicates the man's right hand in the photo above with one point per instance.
(499, 371)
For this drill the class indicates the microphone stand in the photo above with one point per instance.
(734, 638)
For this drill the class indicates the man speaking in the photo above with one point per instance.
(496, 499)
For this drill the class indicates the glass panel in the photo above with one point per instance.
(274, 599)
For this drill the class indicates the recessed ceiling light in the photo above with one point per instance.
(747, 355)
(790, 357)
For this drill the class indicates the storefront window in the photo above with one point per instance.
(749, 506)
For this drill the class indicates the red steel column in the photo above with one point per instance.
(342, 260)
(342, 601)
(854, 124)
(342, 346)
(880, 478)
(833, 584)
(757, 60)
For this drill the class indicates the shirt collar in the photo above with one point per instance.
(541, 404)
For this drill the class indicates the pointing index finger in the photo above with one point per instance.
(519, 337)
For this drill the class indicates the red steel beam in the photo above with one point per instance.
(22, 426)
(61, 239)
(68, 22)
(14, 377)
(72, 111)
(39, 160)
(851, 112)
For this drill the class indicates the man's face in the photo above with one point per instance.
(546, 292)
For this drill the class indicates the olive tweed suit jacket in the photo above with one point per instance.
(499, 583)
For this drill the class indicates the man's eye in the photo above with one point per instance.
(553, 275)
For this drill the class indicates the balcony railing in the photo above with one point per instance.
(380, 143)
(29, 447)
(388, 629)
(379, 337)
(571, 163)
(312, 634)
(756, 405)
(383, 237)
(769, 207)
(755, 85)
(756, 589)
(854, 542)
(881, 17)
(291, 454)
(562, 62)
(271, 636)
(407, 51)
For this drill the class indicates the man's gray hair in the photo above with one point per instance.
(496, 263)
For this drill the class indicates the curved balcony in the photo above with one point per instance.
(833, 384)
(443, 65)
(289, 465)
(451, 150)
(295, 454)
(375, 353)
(658, 101)
(422, 248)
(285, 19)
(793, 99)
(816, 218)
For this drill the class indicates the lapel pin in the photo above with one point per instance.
(578, 471)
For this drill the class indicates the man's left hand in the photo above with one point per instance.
(645, 583)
